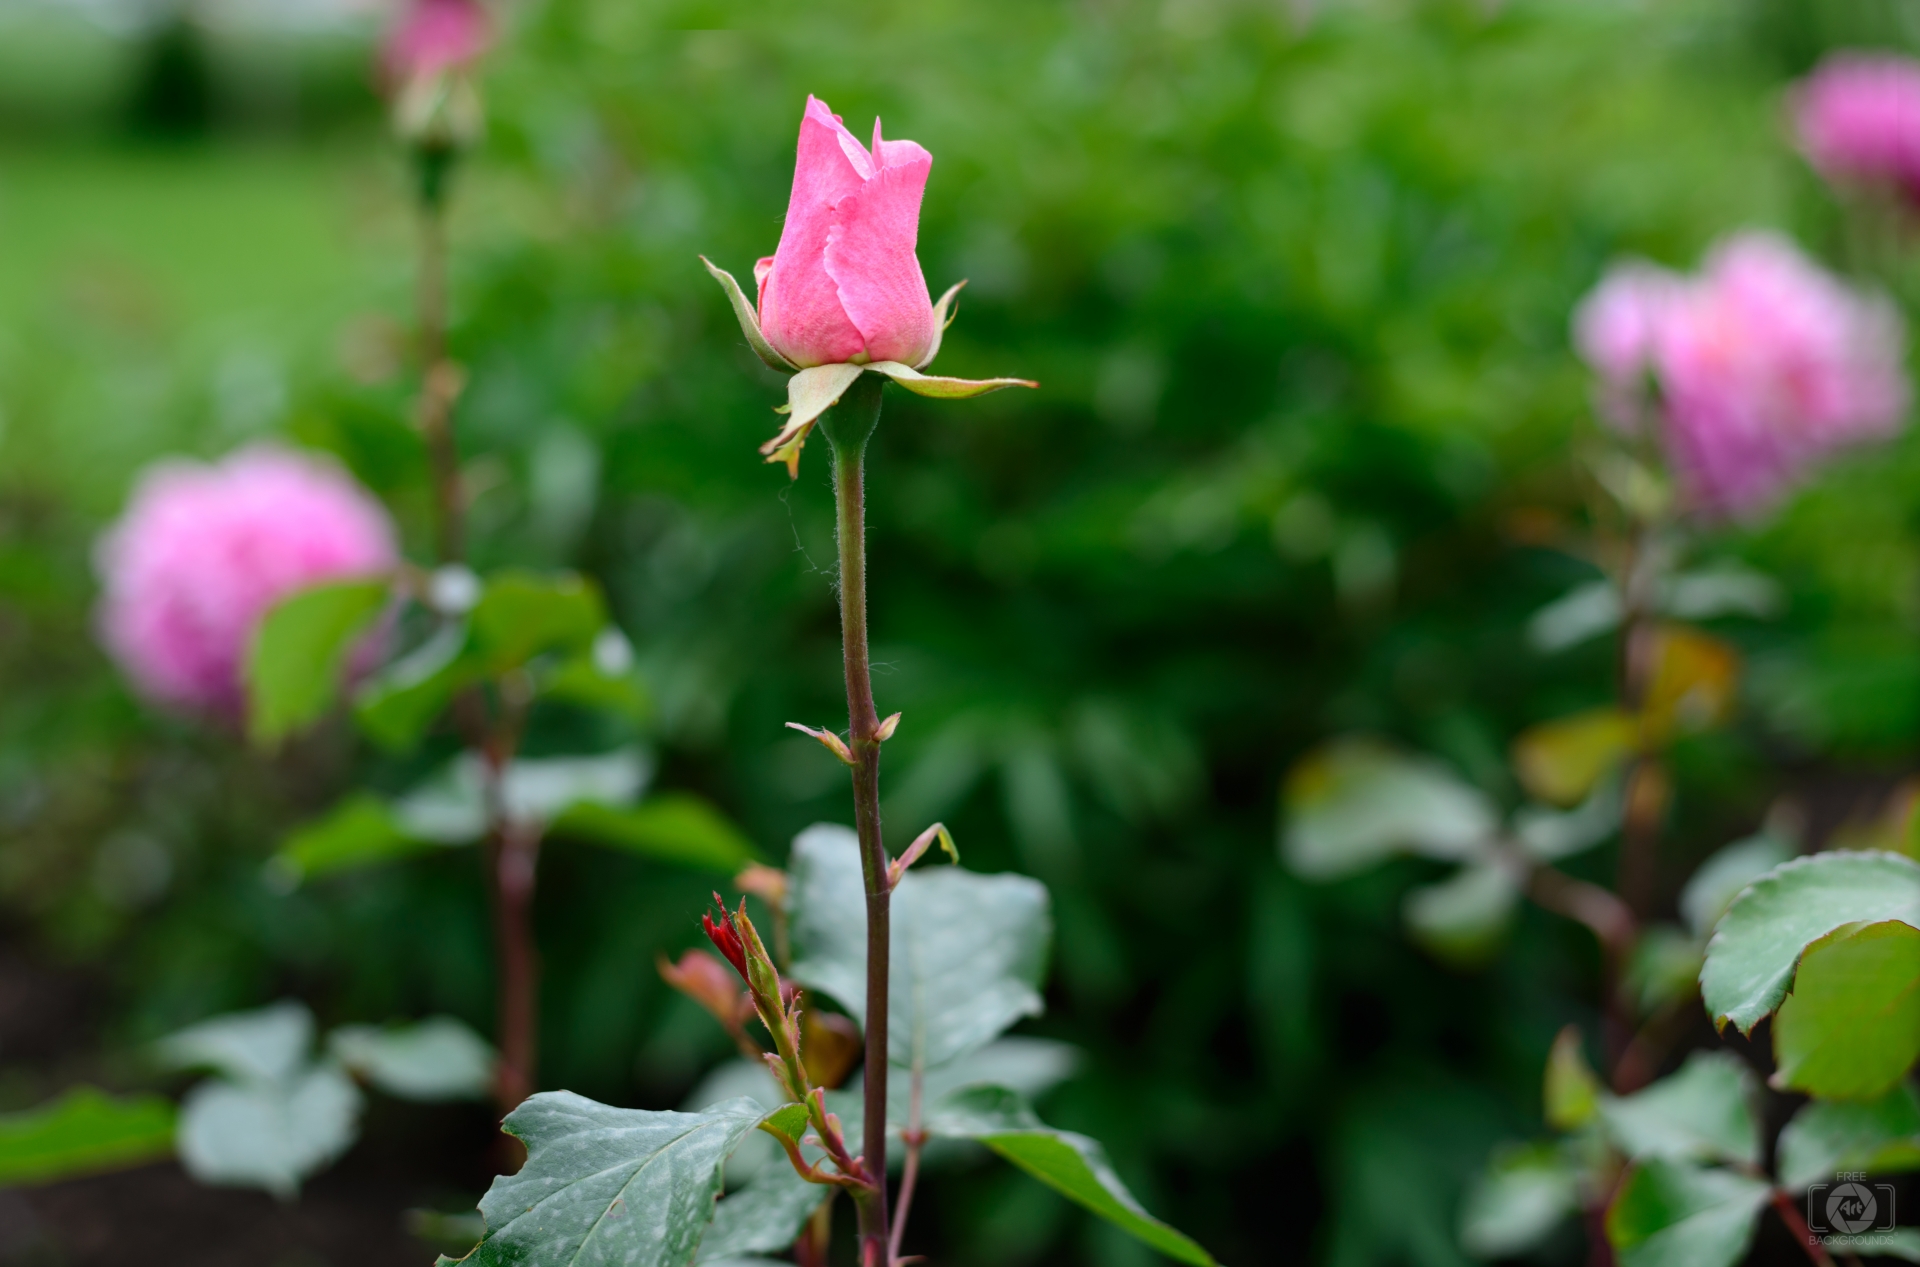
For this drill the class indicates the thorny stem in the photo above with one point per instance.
(915, 1138)
(1797, 1225)
(847, 427)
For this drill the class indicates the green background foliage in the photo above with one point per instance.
(1296, 281)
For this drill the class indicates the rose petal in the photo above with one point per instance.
(870, 257)
(800, 308)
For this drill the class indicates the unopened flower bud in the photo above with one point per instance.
(726, 938)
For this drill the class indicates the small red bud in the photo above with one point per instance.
(726, 937)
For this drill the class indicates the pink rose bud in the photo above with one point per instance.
(202, 552)
(844, 284)
(433, 37)
(1763, 364)
(1857, 119)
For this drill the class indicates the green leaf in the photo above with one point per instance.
(1572, 1092)
(1851, 1027)
(450, 807)
(765, 1216)
(521, 615)
(1703, 1112)
(969, 950)
(1072, 1165)
(604, 1186)
(268, 1134)
(1670, 1214)
(83, 1132)
(435, 1059)
(1355, 803)
(590, 681)
(1464, 918)
(395, 707)
(1751, 959)
(1721, 877)
(1664, 967)
(673, 827)
(361, 831)
(269, 1044)
(1877, 1137)
(1902, 1243)
(1523, 1198)
(298, 652)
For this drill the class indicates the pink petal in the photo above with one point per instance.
(870, 256)
(800, 310)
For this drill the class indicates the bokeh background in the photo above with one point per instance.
(1296, 278)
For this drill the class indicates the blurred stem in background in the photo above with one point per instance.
(848, 426)
(512, 851)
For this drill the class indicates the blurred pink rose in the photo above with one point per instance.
(432, 37)
(202, 551)
(1857, 117)
(1760, 365)
(844, 284)
(1614, 330)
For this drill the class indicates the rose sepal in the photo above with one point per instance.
(941, 388)
(750, 320)
(942, 318)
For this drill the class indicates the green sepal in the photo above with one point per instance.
(942, 318)
(941, 388)
(749, 320)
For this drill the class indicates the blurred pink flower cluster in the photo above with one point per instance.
(433, 37)
(1857, 118)
(203, 551)
(1751, 370)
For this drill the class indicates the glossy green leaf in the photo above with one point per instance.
(674, 827)
(521, 615)
(1874, 1136)
(1672, 1214)
(1522, 1199)
(361, 831)
(603, 1186)
(969, 950)
(1851, 1027)
(1072, 1165)
(1703, 1112)
(299, 651)
(1572, 1092)
(395, 707)
(83, 1132)
(1758, 943)
(438, 1058)
(1355, 803)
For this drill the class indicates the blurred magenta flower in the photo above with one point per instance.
(1857, 118)
(203, 551)
(433, 37)
(1752, 370)
(844, 284)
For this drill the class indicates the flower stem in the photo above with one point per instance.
(440, 381)
(847, 427)
(1790, 1215)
